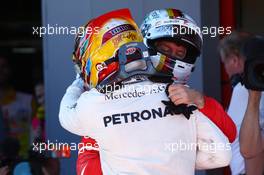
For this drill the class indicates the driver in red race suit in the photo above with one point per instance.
(176, 57)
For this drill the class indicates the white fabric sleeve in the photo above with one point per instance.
(213, 147)
(68, 113)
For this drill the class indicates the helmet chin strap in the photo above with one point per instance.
(134, 79)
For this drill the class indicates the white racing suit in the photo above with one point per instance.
(138, 135)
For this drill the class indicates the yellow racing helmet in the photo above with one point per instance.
(97, 45)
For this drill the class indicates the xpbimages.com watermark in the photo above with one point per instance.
(116, 91)
(63, 30)
(175, 30)
(212, 31)
(204, 146)
(55, 146)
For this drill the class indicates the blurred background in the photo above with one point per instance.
(34, 68)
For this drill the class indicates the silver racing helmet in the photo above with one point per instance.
(175, 26)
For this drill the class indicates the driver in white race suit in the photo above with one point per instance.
(136, 128)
